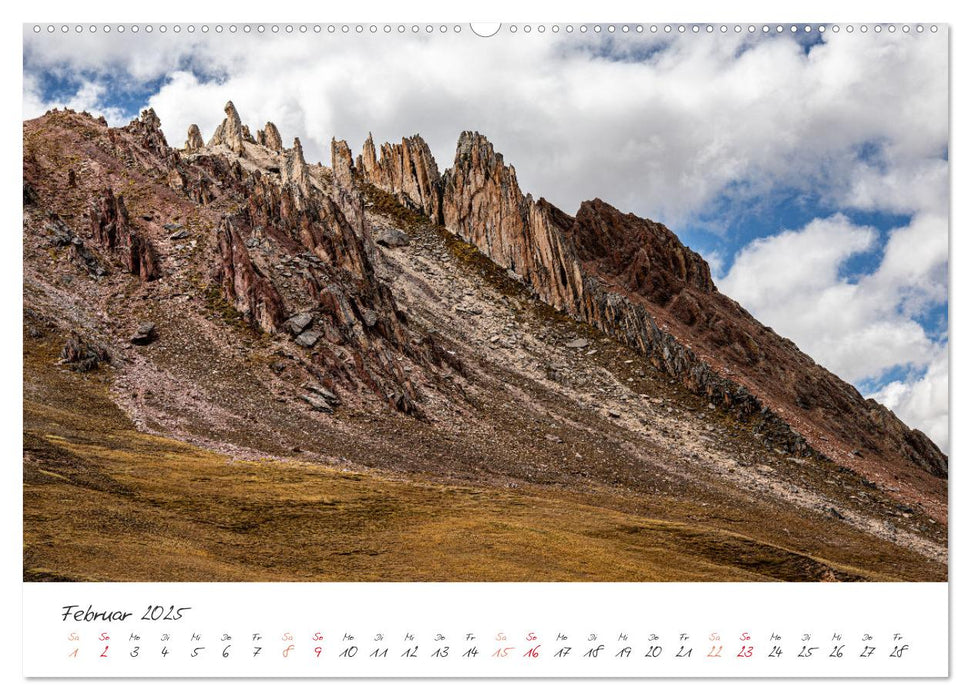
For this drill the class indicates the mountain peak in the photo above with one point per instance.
(269, 137)
(230, 132)
(406, 169)
(193, 141)
(647, 256)
(295, 172)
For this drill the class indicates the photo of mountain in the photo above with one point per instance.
(256, 349)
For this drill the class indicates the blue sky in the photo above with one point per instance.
(811, 169)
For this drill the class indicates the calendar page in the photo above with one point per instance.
(485, 350)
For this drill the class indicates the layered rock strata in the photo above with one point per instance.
(633, 279)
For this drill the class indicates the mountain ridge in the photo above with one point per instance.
(613, 248)
(296, 305)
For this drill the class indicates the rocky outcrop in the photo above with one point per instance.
(296, 174)
(406, 170)
(230, 132)
(912, 443)
(482, 203)
(480, 200)
(632, 324)
(113, 232)
(347, 195)
(193, 141)
(244, 284)
(269, 137)
(342, 164)
(296, 219)
(642, 256)
(148, 132)
(82, 355)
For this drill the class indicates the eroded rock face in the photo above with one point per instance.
(633, 279)
(113, 232)
(342, 164)
(148, 132)
(298, 243)
(230, 132)
(644, 256)
(269, 137)
(406, 170)
(82, 355)
(295, 173)
(193, 141)
(244, 284)
(482, 202)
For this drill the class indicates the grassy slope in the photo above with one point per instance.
(105, 502)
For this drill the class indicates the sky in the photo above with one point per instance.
(811, 169)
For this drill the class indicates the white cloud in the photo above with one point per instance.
(88, 97)
(922, 402)
(859, 328)
(796, 264)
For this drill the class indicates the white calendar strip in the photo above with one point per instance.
(485, 630)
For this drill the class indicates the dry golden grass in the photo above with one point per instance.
(105, 502)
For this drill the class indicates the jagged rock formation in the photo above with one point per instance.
(147, 129)
(244, 284)
(290, 244)
(295, 173)
(230, 132)
(82, 355)
(406, 170)
(342, 163)
(193, 141)
(269, 137)
(112, 230)
(633, 279)
(482, 203)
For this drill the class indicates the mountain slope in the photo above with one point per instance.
(438, 330)
(633, 279)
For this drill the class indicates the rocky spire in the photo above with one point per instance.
(230, 132)
(269, 137)
(482, 203)
(295, 172)
(341, 163)
(150, 119)
(193, 141)
(367, 162)
(407, 170)
(148, 128)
